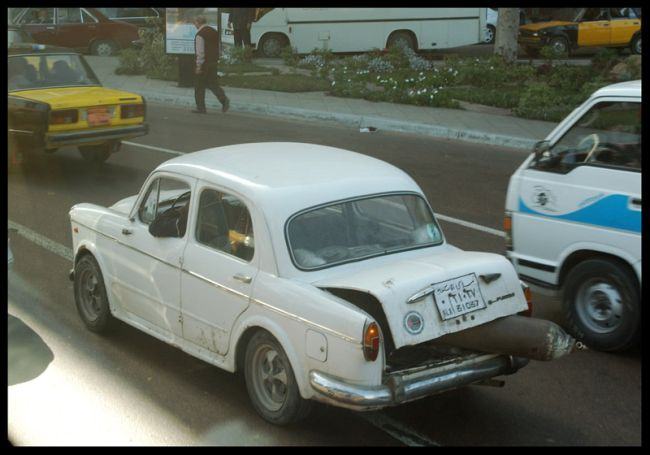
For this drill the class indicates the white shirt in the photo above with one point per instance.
(200, 48)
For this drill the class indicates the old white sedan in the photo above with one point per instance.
(319, 272)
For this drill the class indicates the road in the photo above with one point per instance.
(68, 386)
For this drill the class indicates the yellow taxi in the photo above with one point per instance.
(592, 27)
(55, 100)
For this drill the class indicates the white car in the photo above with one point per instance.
(319, 272)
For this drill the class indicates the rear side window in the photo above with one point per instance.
(609, 134)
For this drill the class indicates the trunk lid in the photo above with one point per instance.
(77, 97)
(427, 297)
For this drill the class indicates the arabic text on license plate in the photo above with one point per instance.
(99, 116)
(458, 296)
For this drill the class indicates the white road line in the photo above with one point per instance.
(449, 219)
(397, 430)
(35, 237)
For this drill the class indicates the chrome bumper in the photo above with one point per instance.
(399, 389)
(104, 134)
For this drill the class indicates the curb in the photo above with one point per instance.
(354, 120)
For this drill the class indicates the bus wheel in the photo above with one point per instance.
(401, 39)
(271, 45)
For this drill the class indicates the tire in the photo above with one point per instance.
(401, 39)
(95, 154)
(601, 304)
(490, 34)
(271, 383)
(635, 45)
(560, 45)
(531, 52)
(104, 48)
(271, 45)
(90, 296)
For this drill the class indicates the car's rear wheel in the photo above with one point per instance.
(635, 46)
(104, 48)
(271, 383)
(96, 154)
(271, 44)
(401, 39)
(90, 295)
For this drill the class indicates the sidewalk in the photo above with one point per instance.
(481, 127)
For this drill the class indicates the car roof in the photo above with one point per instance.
(629, 88)
(287, 177)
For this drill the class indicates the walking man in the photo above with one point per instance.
(206, 46)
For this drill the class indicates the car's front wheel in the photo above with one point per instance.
(104, 48)
(602, 306)
(90, 295)
(271, 383)
(490, 34)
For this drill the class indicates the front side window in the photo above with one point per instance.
(166, 195)
(359, 229)
(27, 72)
(224, 223)
(608, 134)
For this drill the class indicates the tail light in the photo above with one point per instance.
(64, 117)
(371, 341)
(529, 300)
(507, 227)
(132, 110)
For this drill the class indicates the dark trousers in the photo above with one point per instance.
(242, 36)
(208, 78)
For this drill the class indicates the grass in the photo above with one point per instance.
(504, 97)
(239, 68)
(292, 83)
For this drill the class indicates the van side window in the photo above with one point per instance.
(609, 134)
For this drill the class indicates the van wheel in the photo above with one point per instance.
(90, 295)
(490, 34)
(401, 39)
(635, 46)
(601, 305)
(271, 45)
(271, 383)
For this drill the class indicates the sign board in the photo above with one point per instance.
(180, 30)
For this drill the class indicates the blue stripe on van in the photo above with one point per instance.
(610, 212)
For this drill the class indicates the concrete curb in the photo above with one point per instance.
(353, 120)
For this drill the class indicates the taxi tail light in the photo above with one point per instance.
(371, 341)
(63, 117)
(529, 301)
(507, 228)
(132, 110)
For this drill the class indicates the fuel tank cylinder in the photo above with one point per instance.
(520, 336)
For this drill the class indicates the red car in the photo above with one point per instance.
(83, 29)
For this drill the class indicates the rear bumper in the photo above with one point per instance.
(54, 140)
(398, 389)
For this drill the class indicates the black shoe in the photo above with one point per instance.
(225, 106)
(199, 111)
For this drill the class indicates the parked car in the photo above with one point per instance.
(82, 29)
(573, 212)
(490, 31)
(592, 27)
(17, 35)
(136, 16)
(56, 100)
(319, 272)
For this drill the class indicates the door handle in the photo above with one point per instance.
(127, 231)
(636, 202)
(49, 28)
(243, 278)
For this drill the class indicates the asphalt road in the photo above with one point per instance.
(68, 386)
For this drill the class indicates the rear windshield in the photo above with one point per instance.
(26, 72)
(361, 228)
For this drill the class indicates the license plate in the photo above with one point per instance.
(458, 296)
(99, 116)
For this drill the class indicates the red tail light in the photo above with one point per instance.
(507, 227)
(371, 341)
(529, 301)
(64, 117)
(132, 110)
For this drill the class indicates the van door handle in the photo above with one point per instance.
(636, 202)
(127, 232)
(243, 278)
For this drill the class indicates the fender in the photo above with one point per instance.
(599, 248)
(88, 245)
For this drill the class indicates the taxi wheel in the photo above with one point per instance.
(104, 48)
(635, 46)
(96, 154)
(271, 383)
(90, 295)
(560, 45)
(601, 305)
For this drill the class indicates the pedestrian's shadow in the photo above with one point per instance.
(28, 355)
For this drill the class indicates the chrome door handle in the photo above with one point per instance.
(127, 232)
(636, 202)
(243, 278)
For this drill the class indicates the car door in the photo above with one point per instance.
(71, 30)
(147, 269)
(219, 268)
(595, 28)
(624, 25)
(40, 24)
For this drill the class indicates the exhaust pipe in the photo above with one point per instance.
(520, 336)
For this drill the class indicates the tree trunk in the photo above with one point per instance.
(505, 43)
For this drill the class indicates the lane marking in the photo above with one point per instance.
(446, 218)
(397, 430)
(35, 237)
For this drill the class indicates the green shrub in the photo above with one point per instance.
(542, 102)
(289, 56)
(129, 62)
(156, 63)
(605, 59)
(548, 53)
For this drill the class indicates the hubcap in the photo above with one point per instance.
(104, 50)
(559, 47)
(638, 46)
(272, 47)
(600, 306)
(90, 295)
(489, 35)
(270, 378)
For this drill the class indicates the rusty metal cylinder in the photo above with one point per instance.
(533, 338)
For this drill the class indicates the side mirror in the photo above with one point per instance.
(540, 147)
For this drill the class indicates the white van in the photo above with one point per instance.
(573, 217)
(364, 29)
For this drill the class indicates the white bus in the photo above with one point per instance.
(363, 29)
